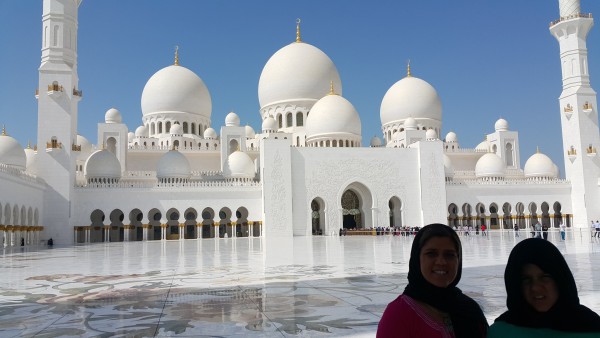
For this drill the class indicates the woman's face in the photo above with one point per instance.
(439, 261)
(539, 288)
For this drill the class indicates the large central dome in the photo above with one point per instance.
(297, 71)
(176, 89)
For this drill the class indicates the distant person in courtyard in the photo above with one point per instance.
(538, 229)
(50, 242)
(597, 226)
(516, 228)
(542, 298)
(545, 231)
(432, 305)
(563, 231)
(483, 229)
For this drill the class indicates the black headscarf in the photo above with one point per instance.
(566, 314)
(466, 315)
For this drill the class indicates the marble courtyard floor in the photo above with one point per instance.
(300, 287)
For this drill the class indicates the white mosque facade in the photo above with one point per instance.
(305, 173)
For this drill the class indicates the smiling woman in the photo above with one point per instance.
(432, 305)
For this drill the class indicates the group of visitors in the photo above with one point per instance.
(466, 230)
(380, 231)
(542, 298)
(596, 229)
(540, 231)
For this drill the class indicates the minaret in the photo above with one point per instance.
(58, 95)
(579, 114)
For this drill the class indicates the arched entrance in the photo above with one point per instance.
(97, 219)
(395, 205)
(452, 215)
(351, 210)
(494, 218)
(317, 216)
(506, 208)
(190, 216)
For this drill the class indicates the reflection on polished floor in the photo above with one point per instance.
(300, 287)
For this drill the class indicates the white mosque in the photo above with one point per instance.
(178, 176)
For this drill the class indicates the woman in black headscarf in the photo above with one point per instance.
(432, 305)
(542, 296)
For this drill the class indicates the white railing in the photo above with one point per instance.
(464, 150)
(573, 16)
(509, 181)
(155, 184)
(22, 174)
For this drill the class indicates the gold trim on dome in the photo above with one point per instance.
(331, 90)
(4, 130)
(298, 30)
(408, 69)
(176, 56)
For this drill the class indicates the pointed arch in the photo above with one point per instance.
(356, 201)
(395, 212)
(317, 216)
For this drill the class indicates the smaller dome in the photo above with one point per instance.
(239, 165)
(431, 134)
(490, 165)
(539, 165)
(501, 125)
(176, 129)
(376, 142)
(142, 131)
(210, 134)
(331, 116)
(112, 116)
(249, 132)
(448, 167)
(269, 124)
(102, 164)
(451, 137)
(11, 152)
(173, 164)
(232, 120)
(410, 124)
(483, 146)
(410, 97)
(130, 136)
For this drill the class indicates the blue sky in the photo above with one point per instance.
(487, 59)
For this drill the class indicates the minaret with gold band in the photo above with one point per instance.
(578, 110)
(58, 96)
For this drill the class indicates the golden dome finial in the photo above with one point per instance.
(176, 56)
(4, 130)
(331, 90)
(408, 69)
(298, 30)
(537, 149)
(28, 144)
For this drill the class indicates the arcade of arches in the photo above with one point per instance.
(169, 225)
(505, 216)
(19, 225)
